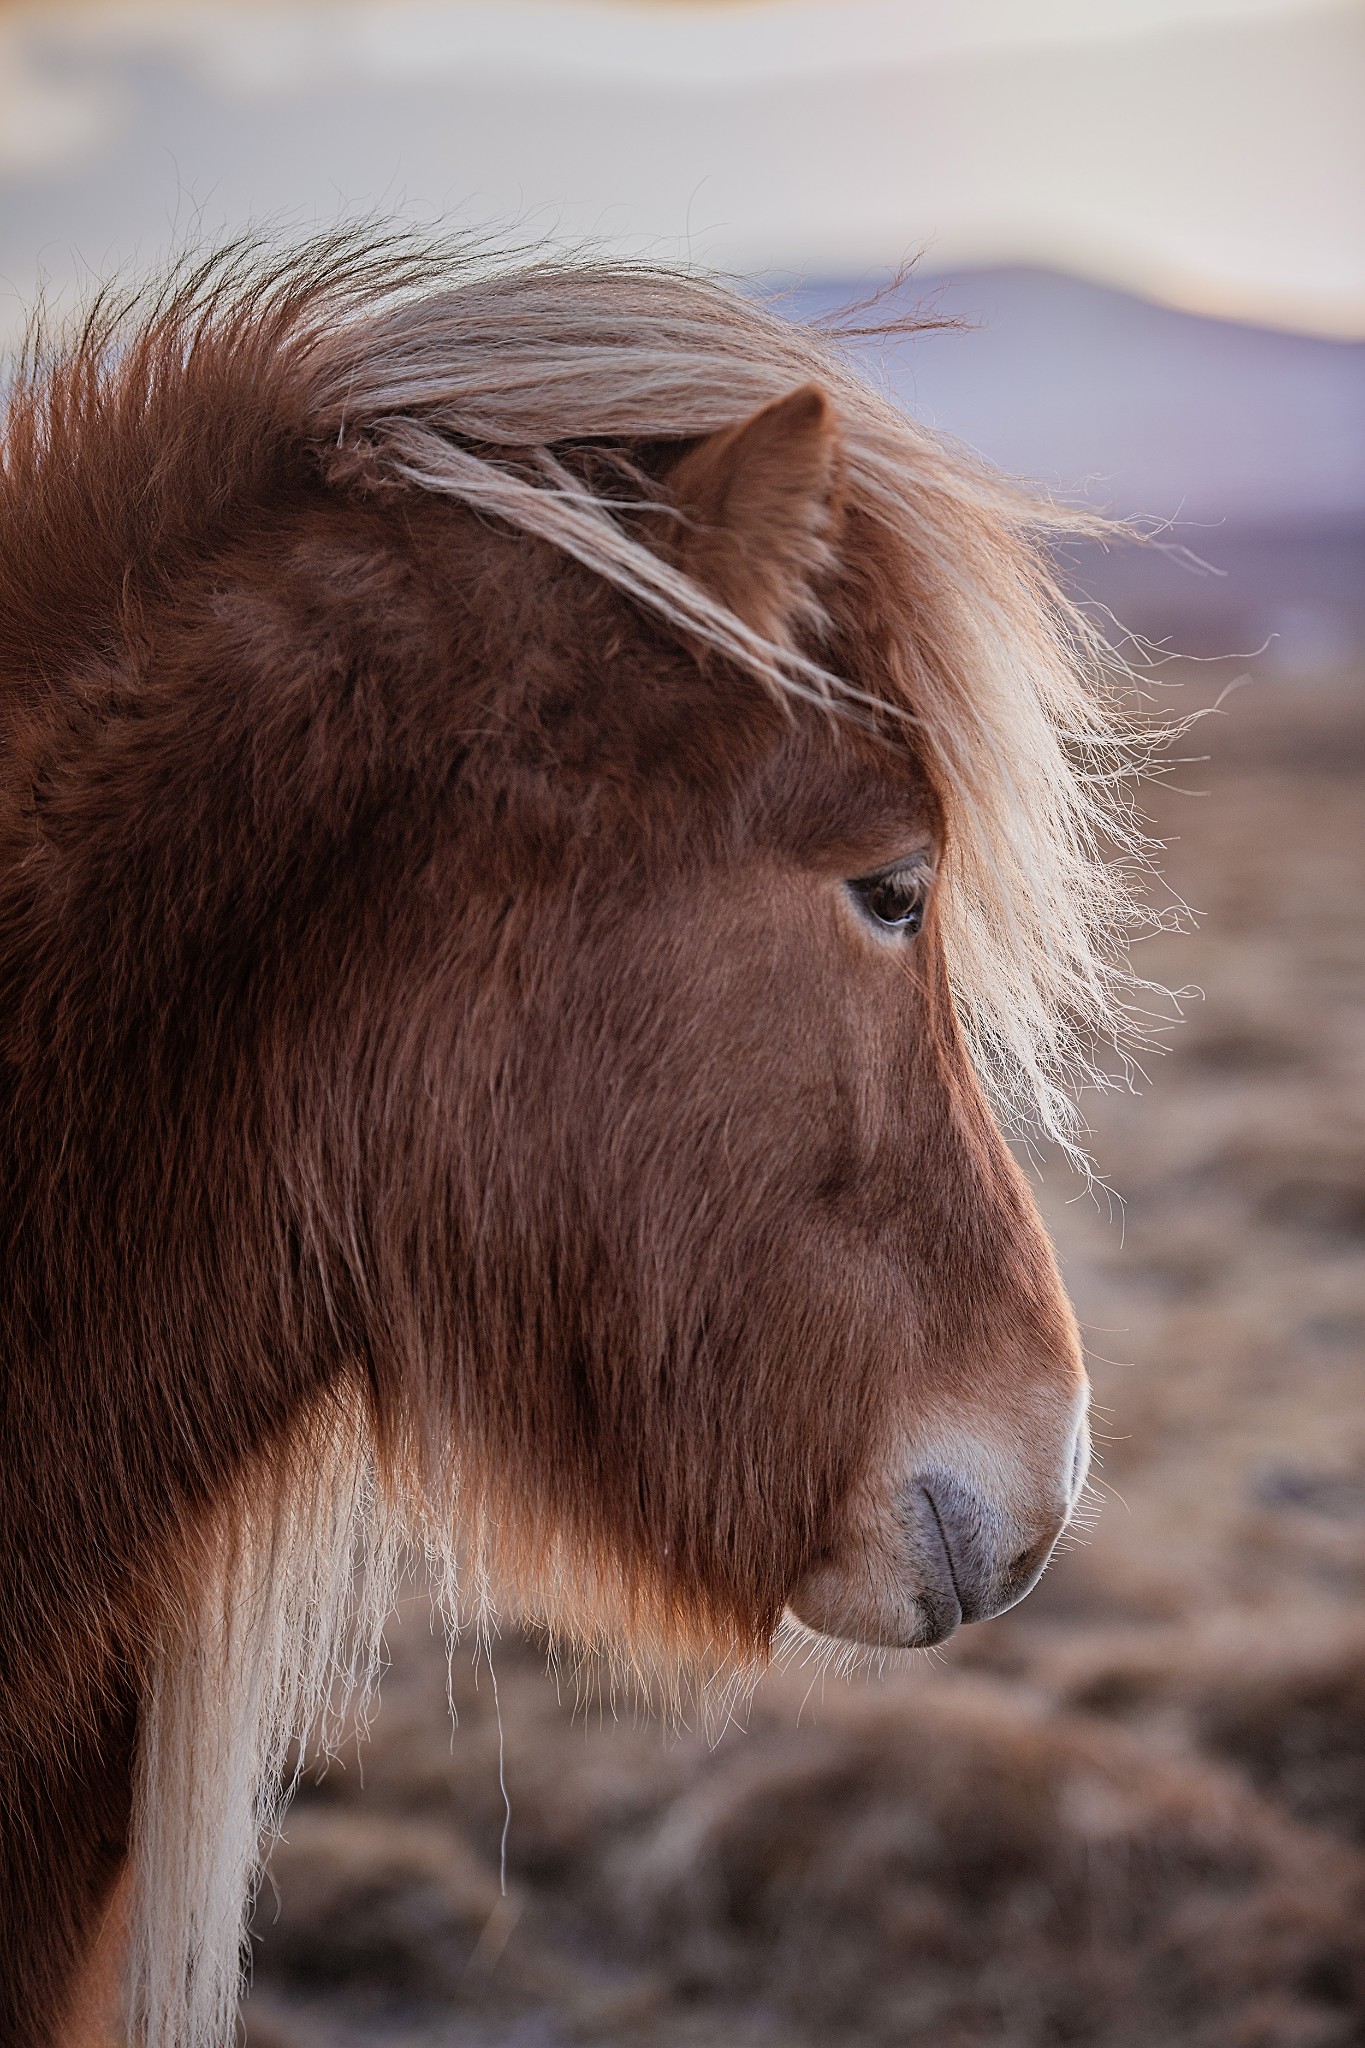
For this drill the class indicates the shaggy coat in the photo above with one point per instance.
(453, 1089)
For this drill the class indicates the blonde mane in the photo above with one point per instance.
(447, 369)
(1016, 697)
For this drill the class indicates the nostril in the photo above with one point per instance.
(955, 1527)
(945, 1545)
(964, 1539)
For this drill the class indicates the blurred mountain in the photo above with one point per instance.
(1238, 447)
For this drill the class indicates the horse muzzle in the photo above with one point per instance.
(942, 1549)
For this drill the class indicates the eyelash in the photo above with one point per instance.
(898, 899)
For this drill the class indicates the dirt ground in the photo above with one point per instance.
(1131, 1814)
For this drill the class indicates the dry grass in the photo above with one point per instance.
(1129, 1815)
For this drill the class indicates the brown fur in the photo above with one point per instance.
(428, 981)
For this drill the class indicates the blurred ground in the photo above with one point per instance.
(1130, 1814)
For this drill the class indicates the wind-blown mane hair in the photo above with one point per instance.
(530, 392)
(449, 371)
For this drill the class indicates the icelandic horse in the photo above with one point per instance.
(544, 824)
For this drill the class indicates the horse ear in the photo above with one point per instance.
(758, 504)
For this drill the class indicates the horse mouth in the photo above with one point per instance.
(941, 1556)
(897, 1590)
(843, 1614)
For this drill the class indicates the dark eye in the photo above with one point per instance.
(898, 899)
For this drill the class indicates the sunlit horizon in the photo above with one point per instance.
(1203, 153)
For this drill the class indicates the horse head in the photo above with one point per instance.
(743, 1303)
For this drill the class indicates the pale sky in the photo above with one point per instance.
(1207, 153)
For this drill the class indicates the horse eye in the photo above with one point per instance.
(897, 900)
